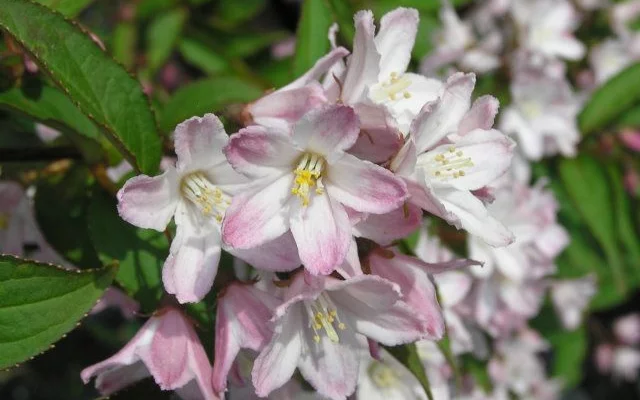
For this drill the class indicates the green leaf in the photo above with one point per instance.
(52, 108)
(232, 12)
(312, 42)
(162, 36)
(244, 45)
(123, 43)
(424, 39)
(41, 303)
(100, 87)
(612, 100)
(408, 355)
(343, 13)
(206, 96)
(139, 252)
(61, 203)
(151, 8)
(199, 55)
(586, 183)
(70, 8)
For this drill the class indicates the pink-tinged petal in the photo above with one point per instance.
(114, 297)
(416, 287)
(364, 64)
(322, 232)
(523, 299)
(453, 287)
(256, 151)
(385, 228)
(531, 142)
(242, 322)
(486, 303)
(404, 163)
(481, 116)
(364, 186)
(512, 262)
(332, 368)
(327, 131)
(489, 152)
(395, 40)
(627, 329)
(371, 307)
(149, 202)
(198, 142)
(442, 117)
(278, 360)
(280, 254)
(351, 266)
(167, 355)
(258, 215)
(284, 107)
(631, 139)
(467, 212)
(571, 297)
(552, 240)
(124, 367)
(424, 198)
(321, 67)
(192, 265)
(379, 137)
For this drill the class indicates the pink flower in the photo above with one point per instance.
(627, 329)
(452, 152)
(631, 139)
(571, 298)
(166, 348)
(302, 183)
(321, 329)
(242, 322)
(196, 193)
(114, 297)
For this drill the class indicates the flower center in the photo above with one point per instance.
(531, 109)
(394, 87)
(4, 221)
(382, 375)
(308, 174)
(449, 164)
(323, 314)
(208, 198)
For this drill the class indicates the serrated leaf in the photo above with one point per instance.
(100, 87)
(312, 42)
(52, 108)
(408, 355)
(162, 36)
(617, 96)
(201, 56)
(206, 96)
(586, 183)
(70, 8)
(41, 303)
(60, 204)
(139, 252)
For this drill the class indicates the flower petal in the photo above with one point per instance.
(364, 186)
(332, 368)
(277, 362)
(256, 151)
(327, 131)
(321, 67)
(149, 202)
(322, 232)
(167, 355)
(385, 228)
(364, 64)
(242, 322)
(379, 137)
(192, 264)
(280, 254)
(395, 40)
(481, 116)
(442, 117)
(198, 142)
(284, 107)
(258, 215)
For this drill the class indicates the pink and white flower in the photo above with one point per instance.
(453, 152)
(166, 348)
(627, 329)
(196, 193)
(321, 329)
(571, 298)
(387, 379)
(302, 183)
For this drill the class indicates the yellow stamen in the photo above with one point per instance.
(209, 199)
(450, 164)
(308, 174)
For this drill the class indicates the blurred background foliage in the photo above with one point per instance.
(198, 56)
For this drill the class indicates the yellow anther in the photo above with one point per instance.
(406, 95)
(449, 164)
(209, 199)
(390, 89)
(316, 338)
(308, 174)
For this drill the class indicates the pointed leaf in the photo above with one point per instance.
(40, 303)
